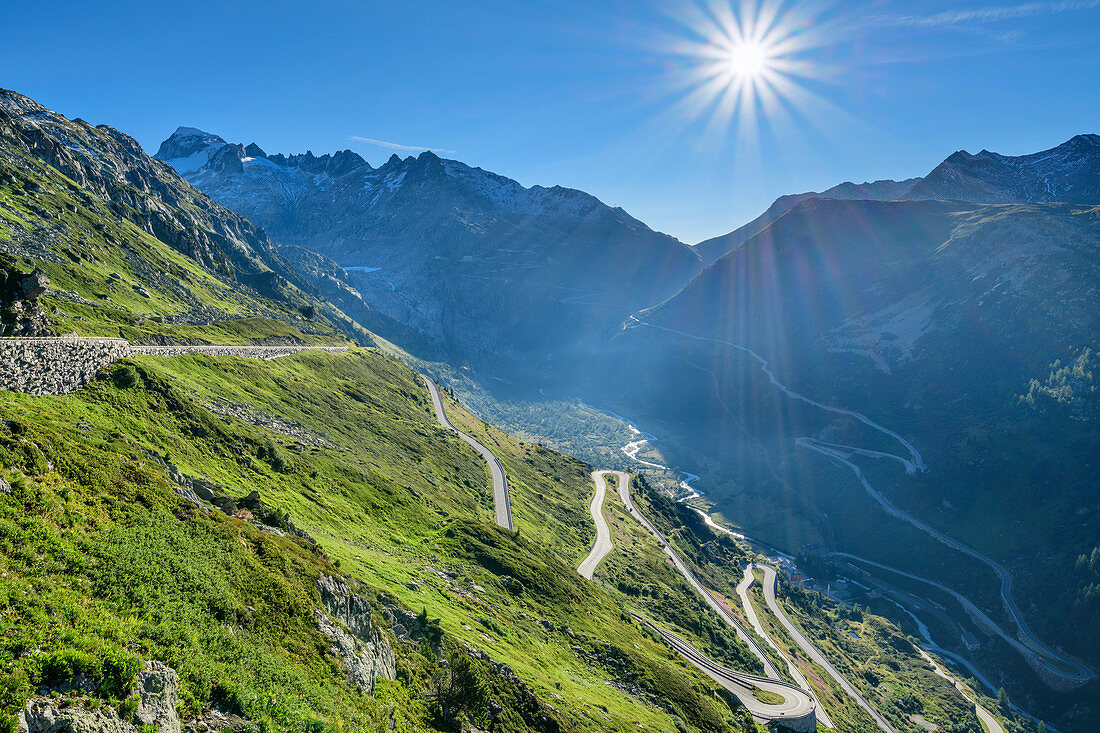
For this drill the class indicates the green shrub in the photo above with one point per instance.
(273, 454)
(64, 664)
(126, 377)
(128, 707)
(117, 672)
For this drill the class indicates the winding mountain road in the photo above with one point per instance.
(740, 683)
(602, 545)
(798, 711)
(502, 500)
(812, 652)
(1039, 652)
(796, 674)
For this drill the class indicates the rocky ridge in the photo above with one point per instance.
(1068, 173)
(885, 190)
(450, 256)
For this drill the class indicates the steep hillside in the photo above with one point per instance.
(713, 248)
(105, 517)
(277, 545)
(967, 329)
(134, 250)
(481, 267)
(296, 544)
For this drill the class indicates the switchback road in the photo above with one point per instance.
(812, 652)
(797, 711)
(740, 683)
(502, 500)
(1039, 652)
(602, 546)
(796, 674)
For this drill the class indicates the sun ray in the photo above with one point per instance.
(744, 66)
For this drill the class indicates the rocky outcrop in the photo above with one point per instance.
(346, 620)
(20, 313)
(157, 687)
(46, 715)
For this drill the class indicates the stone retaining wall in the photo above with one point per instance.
(63, 364)
(55, 365)
(249, 352)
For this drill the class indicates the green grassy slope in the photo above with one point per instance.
(94, 538)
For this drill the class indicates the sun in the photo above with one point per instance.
(748, 59)
(749, 64)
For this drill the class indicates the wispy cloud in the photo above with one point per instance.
(405, 148)
(975, 18)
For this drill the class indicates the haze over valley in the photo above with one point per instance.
(373, 437)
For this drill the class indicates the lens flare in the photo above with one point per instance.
(743, 65)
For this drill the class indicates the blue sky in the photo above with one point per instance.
(588, 94)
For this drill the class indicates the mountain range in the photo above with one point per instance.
(963, 316)
(485, 269)
(210, 541)
(1067, 173)
(946, 305)
(958, 310)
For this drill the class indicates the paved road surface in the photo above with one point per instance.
(502, 501)
(803, 700)
(249, 352)
(812, 651)
(602, 545)
(796, 674)
(796, 703)
(769, 668)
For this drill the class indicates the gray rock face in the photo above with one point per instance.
(185, 142)
(346, 621)
(45, 715)
(29, 287)
(20, 314)
(157, 686)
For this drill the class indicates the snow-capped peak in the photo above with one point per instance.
(189, 148)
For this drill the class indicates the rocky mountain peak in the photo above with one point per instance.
(252, 150)
(227, 159)
(186, 142)
(1068, 173)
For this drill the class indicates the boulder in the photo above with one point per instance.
(47, 715)
(158, 685)
(30, 287)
